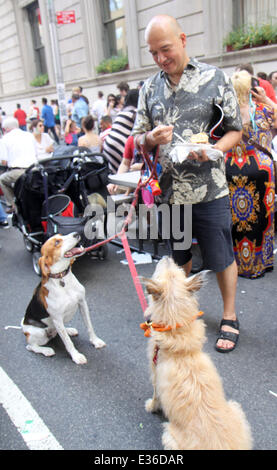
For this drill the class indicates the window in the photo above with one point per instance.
(35, 25)
(254, 12)
(114, 27)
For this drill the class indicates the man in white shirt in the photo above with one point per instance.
(99, 108)
(18, 152)
(33, 111)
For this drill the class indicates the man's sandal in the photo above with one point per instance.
(228, 335)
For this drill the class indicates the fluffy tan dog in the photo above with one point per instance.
(187, 387)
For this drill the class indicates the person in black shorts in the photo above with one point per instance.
(178, 100)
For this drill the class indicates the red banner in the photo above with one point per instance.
(66, 17)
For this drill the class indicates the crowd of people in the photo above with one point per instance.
(87, 125)
(232, 198)
(28, 137)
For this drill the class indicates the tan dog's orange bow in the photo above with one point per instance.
(148, 326)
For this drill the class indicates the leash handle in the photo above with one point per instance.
(152, 165)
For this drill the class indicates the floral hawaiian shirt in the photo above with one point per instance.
(189, 106)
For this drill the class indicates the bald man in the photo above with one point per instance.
(178, 101)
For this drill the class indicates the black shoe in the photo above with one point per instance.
(228, 335)
(4, 224)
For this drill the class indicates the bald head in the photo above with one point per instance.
(165, 23)
(167, 44)
(10, 123)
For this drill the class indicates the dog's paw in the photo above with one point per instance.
(151, 405)
(168, 440)
(48, 352)
(98, 343)
(79, 358)
(72, 331)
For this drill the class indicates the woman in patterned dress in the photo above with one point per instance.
(250, 176)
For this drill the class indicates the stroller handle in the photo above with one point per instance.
(92, 154)
(65, 157)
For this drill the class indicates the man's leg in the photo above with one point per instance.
(212, 227)
(187, 267)
(181, 236)
(7, 181)
(227, 281)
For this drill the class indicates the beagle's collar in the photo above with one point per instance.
(60, 275)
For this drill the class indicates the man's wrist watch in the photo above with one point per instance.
(143, 142)
(140, 141)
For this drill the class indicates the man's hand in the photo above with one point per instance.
(160, 135)
(198, 156)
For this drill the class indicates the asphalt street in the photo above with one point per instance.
(100, 405)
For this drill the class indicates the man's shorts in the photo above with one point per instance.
(212, 227)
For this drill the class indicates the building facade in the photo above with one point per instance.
(104, 28)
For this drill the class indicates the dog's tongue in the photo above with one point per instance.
(74, 252)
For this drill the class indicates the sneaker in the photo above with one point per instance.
(4, 224)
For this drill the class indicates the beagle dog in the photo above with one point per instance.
(56, 299)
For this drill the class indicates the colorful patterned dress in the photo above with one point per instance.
(250, 176)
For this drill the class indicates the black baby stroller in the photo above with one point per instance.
(54, 196)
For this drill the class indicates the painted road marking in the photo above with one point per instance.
(28, 423)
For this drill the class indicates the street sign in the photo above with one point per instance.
(66, 17)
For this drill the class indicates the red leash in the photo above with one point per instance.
(123, 236)
(134, 273)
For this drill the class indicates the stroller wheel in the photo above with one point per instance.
(28, 245)
(102, 252)
(36, 256)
